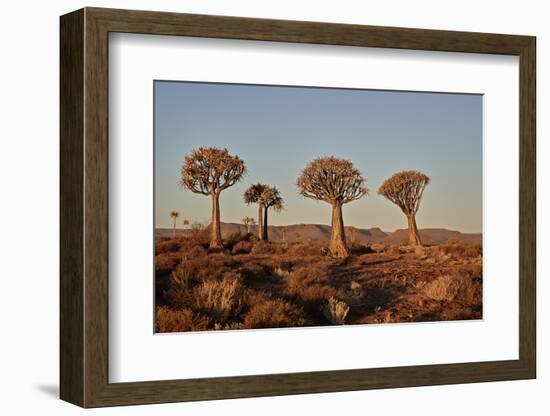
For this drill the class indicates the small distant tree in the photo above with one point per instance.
(174, 215)
(197, 230)
(271, 198)
(336, 182)
(248, 221)
(253, 196)
(185, 223)
(209, 171)
(405, 189)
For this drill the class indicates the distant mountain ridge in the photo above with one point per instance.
(308, 232)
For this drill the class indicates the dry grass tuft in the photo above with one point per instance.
(219, 300)
(242, 247)
(465, 289)
(166, 262)
(336, 311)
(274, 313)
(264, 247)
(313, 248)
(444, 288)
(179, 320)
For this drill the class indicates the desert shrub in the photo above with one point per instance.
(452, 241)
(336, 311)
(457, 287)
(455, 251)
(242, 247)
(251, 297)
(179, 320)
(307, 286)
(313, 248)
(405, 248)
(178, 297)
(420, 251)
(199, 234)
(252, 272)
(234, 239)
(274, 313)
(358, 249)
(265, 247)
(219, 299)
(182, 276)
(211, 266)
(315, 293)
(463, 250)
(471, 291)
(281, 272)
(166, 246)
(317, 272)
(283, 265)
(443, 288)
(192, 251)
(166, 262)
(378, 297)
(393, 249)
(187, 269)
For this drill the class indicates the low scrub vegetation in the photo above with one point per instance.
(250, 284)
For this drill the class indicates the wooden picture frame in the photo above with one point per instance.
(84, 207)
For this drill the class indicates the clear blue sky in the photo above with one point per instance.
(278, 130)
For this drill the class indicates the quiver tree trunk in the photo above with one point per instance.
(215, 227)
(265, 236)
(260, 222)
(174, 229)
(414, 235)
(337, 246)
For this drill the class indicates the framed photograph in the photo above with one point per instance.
(255, 207)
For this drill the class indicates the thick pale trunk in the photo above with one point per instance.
(265, 236)
(174, 229)
(414, 235)
(215, 227)
(260, 222)
(337, 246)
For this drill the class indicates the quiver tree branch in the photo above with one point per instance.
(209, 171)
(405, 189)
(336, 182)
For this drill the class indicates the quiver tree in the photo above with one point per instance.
(208, 171)
(270, 198)
(336, 182)
(253, 196)
(248, 221)
(405, 190)
(266, 197)
(174, 215)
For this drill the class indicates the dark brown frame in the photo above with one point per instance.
(84, 209)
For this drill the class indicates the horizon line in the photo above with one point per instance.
(328, 225)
